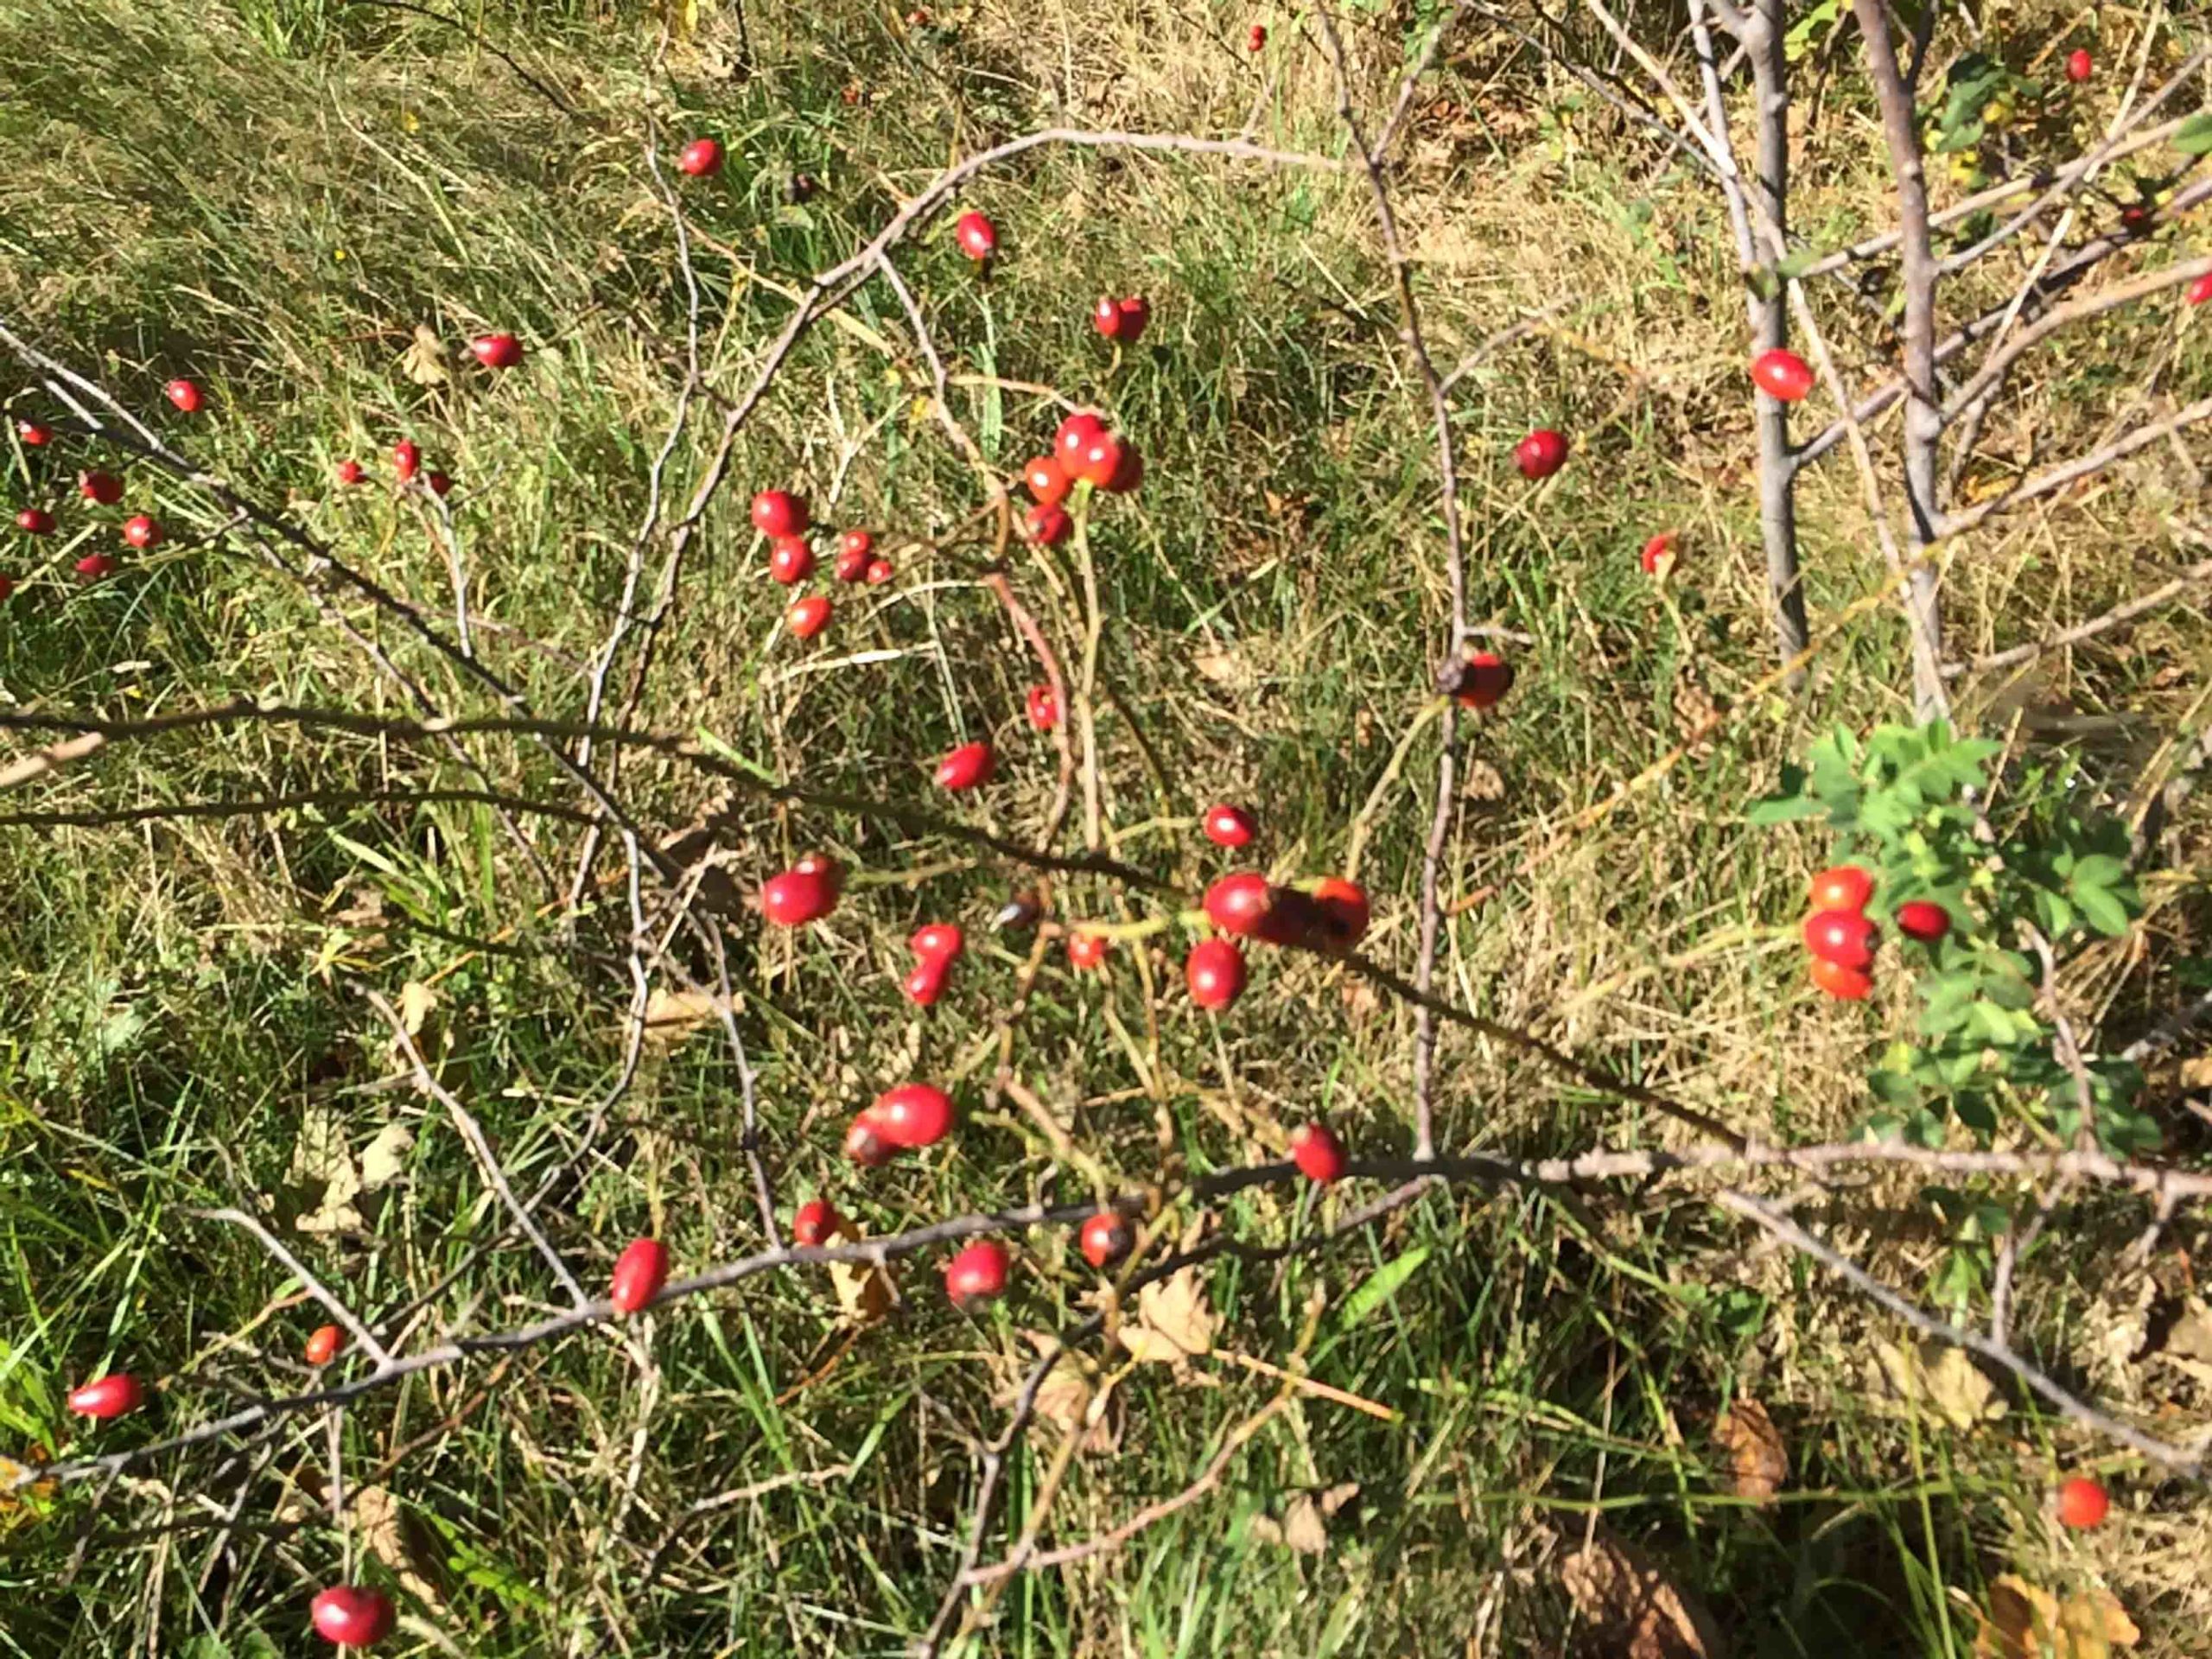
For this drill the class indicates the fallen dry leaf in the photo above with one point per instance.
(1937, 1378)
(385, 1158)
(1757, 1461)
(1638, 1613)
(1173, 1324)
(416, 1003)
(1485, 782)
(864, 1292)
(320, 1159)
(671, 1016)
(426, 361)
(2026, 1623)
(398, 1541)
(1305, 1524)
(1070, 1397)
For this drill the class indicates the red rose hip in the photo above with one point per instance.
(808, 617)
(1843, 937)
(792, 560)
(977, 236)
(701, 158)
(913, 1115)
(351, 471)
(2083, 1502)
(1317, 1151)
(1845, 984)
(879, 572)
(1215, 972)
(406, 460)
(1048, 526)
(34, 435)
(1228, 826)
(1539, 454)
(93, 565)
(103, 487)
(968, 766)
(817, 1223)
(1483, 679)
(1241, 903)
(105, 1398)
(1658, 556)
(639, 1273)
(1922, 919)
(1074, 435)
(1843, 886)
(976, 1274)
(184, 394)
(805, 893)
(142, 531)
(352, 1616)
(2080, 65)
(1042, 708)
(1782, 374)
(496, 350)
(324, 1344)
(779, 512)
(1087, 950)
(34, 521)
(1046, 480)
(1105, 1239)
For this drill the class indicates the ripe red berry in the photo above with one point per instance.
(779, 512)
(7, 589)
(103, 487)
(968, 766)
(1344, 914)
(2083, 1502)
(1241, 903)
(1045, 479)
(912, 1115)
(1100, 462)
(805, 893)
(1257, 40)
(2080, 65)
(1658, 556)
(1215, 972)
(1130, 473)
(976, 1274)
(352, 1616)
(1317, 1151)
(1106, 316)
(701, 158)
(879, 572)
(1074, 435)
(439, 484)
(791, 561)
(1105, 1239)
(977, 236)
(938, 942)
(1847, 984)
(1539, 454)
(350, 472)
(184, 394)
(1782, 374)
(817, 1223)
(36, 520)
(324, 1344)
(1136, 317)
(405, 458)
(496, 350)
(106, 1397)
(865, 1144)
(924, 982)
(1843, 887)
(851, 566)
(93, 565)
(1843, 937)
(1048, 526)
(1485, 678)
(1228, 826)
(2199, 292)
(1087, 950)
(34, 434)
(1042, 708)
(808, 617)
(142, 531)
(639, 1272)
(1924, 919)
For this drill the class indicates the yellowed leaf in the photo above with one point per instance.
(396, 1539)
(1636, 1609)
(1757, 1461)
(1173, 1324)
(1937, 1377)
(1304, 1526)
(672, 1015)
(384, 1158)
(426, 361)
(319, 1159)
(13, 1510)
(2025, 1622)
(416, 1003)
(864, 1292)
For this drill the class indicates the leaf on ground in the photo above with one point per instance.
(397, 1540)
(426, 361)
(1757, 1461)
(1173, 1324)
(671, 1016)
(1637, 1610)
(13, 1509)
(1485, 782)
(2189, 1337)
(1937, 1378)
(385, 1158)
(1305, 1524)
(417, 1001)
(2025, 1622)
(864, 1292)
(1070, 1397)
(324, 1168)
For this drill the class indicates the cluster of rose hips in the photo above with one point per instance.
(141, 530)
(1085, 450)
(783, 517)
(1842, 938)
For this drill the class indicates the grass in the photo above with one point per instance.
(273, 198)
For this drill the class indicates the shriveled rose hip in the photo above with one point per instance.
(1048, 526)
(1343, 913)
(1105, 1238)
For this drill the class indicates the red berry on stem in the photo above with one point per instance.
(496, 350)
(852, 567)
(439, 484)
(805, 893)
(1343, 913)
(639, 1272)
(808, 617)
(7, 589)
(1215, 972)
(103, 487)
(1074, 435)
(1843, 886)
(1485, 678)
(352, 1616)
(1088, 949)
(1106, 316)
(36, 520)
(1924, 919)
(924, 982)
(968, 766)
(184, 394)
(1136, 317)
(779, 512)
(938, 942)
(1847, 984)
(405, 458)
(701, 158)
(1782, 374)
(1658, 555)
(2083, 1502)
(977, 236)
(1317, 1151)
(817, 1223)
(1129, 474)
(142, 531)
(879, 572)
(1048, 526)
(2199, 292)
(1042, 708)
(1228, 826)
(1257, 40)
(1843, 937)
(93, 565)
(1241, 903)
(1100, 462)
(1045, 479)
(350, 472)
(1539, 454)
(1105, 1239)
(34, 434)
(324, 1344)
(106, 1397)
(912, 1115)
(976, 1274)
(865, 1144)
(791, 561)
(2080, 65)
